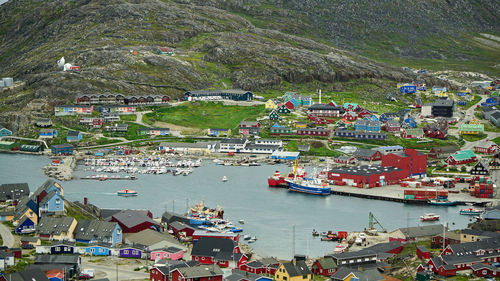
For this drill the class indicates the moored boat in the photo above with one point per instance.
(276, 180)
(471, 211)
(127, 192)
(315, 233)
(224, 179)
(429, 217)
(309, 186)
(442, 202)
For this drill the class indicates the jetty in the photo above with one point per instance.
(105, 177)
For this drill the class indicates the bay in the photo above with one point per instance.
(269, 213)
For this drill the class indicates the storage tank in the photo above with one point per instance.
(8, 82)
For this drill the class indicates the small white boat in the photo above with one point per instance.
(224, 179)
(251, 240)
(246, 237)
(241, 221)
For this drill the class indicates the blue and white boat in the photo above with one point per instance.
(308, 185)
(442, 202)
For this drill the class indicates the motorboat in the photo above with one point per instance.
(127, 192)
(224, 179)
(429, 217)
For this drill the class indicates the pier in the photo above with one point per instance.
(103, 178)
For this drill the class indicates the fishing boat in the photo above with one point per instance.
(340, 248)
(224, 179)
(127, 192)
(315, 233)
(471, 211)
(307, 185)
(442, 202)
(236, 229)
(429, 217)
(276, 180)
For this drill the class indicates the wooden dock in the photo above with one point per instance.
(107, 178)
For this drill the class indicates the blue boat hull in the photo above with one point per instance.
(308, 189)
(446, 203)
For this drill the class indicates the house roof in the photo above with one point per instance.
(355, 254)
(327, 263)
(23, 205)
(478, 266)
(94, 229)
(421, 231)
(180, 225)
(297, 269)
(9, 191)
(364, 170)
(73, 133)
(414, 131)
(463, 155)
(385, 247)
(363, 152)
(200, 271)
(472, 127)
(212, 246)
(467, 248)
(443, 102)
(47, 130)
(29, 239)
(48, 197)
(64, 145)
(234, 141)
(491, 215)
(149, 237)
(131, 218)
(446, 149)
(54, 226)
(320, 106)
(62, 259)
(249, 123)
(33, 274)
(237, 275)
(485, 143)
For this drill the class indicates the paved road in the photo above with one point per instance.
(125, 272)
(8, 239)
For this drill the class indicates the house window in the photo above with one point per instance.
(284, 278)
(125, 252)
(304, 277)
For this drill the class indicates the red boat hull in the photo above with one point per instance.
(276, 182)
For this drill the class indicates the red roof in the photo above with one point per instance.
(166, 50)
(57, 273)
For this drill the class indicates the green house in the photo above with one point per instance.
(166, 51)
(283, 110)
(276, 129)
(274, 115)
(471, 129)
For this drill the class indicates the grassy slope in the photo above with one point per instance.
(206, 115)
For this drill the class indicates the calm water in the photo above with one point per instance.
(269, 213)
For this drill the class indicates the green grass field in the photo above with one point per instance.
(474, 137)
(206, 115)
(317, 149)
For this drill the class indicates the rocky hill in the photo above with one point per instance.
(216, 47)
(456, 32)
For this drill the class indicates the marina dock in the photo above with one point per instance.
(107, 178)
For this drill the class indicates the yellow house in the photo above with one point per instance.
(471, 235)
(61, 228)
(271, 105)
(24, 212)
(300, 124)
(293, 271)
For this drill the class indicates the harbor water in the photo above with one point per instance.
(270, 214)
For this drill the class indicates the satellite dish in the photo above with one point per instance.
(61, 62)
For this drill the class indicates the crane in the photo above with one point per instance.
(372, 221)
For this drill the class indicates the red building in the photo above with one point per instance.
(325, 110)
(324, 266)
(289, 105)
(198, 273)
(181, 230)
(319, 131)
(200, 233)
(133, 221)
(159, 273)
(486, 147)
(220, 251)
(485, 270)
(392, 126)
(450, 238)
(367, 174)
(253, 267)
(461, 157)
(423, 253)
(412, 162)
(435, 132)
(344, 160)
(350, 115)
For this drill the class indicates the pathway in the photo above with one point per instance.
(7, 237)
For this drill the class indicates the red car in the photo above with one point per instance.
(84, 276)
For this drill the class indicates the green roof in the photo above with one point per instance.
(472, 127)
(463, 155)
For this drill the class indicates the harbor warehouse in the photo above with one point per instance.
(367, 174)
(237, 95)
(285, 155)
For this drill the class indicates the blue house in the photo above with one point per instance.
(62, 247)
(410, 122)
(4, 132)
(60, 149)
(98, 249)
(93, 231)
(295, 103)
(46, 187)
(48, 133)
(219, 132)
(389, 116)
(136, 251)
(409, 89)
(52, 202)
(372, 117)
(367, 126)
(461, 94)
(26, 226)
(74, 136)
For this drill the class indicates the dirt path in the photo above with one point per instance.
(176, 128)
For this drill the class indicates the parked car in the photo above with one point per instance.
(84, 276)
